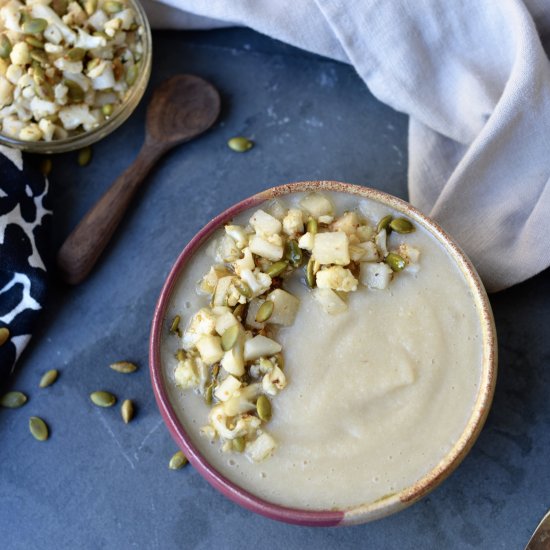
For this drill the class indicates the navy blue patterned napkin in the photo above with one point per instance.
(24, 225)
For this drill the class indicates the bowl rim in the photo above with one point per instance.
(390, 503)
(120, 115)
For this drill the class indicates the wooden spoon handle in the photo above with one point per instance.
(84, 245)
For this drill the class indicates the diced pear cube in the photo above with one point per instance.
(331, 248)
(265, 249)
(330, 301)
(277, 209)
(317, 205)
(186, 374)
(306, 241)
(260, 346)
(253, 307)
(233, 360)
(227, 250)
(261, 448)
(293, 222)
(265, 224)
(225, 321)
(370, 252)
(336, 278)
(210, 348)
(365, 232)
(376, 275)
(238, 234)
(285, 307)
(210, 280)
(347, 222)
(222, 290)
(227, 388)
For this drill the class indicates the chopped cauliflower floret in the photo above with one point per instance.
(203, 322)
(187, 373)
(41, 108)
(238, 234)
(30, 133)
(274, 381)
(227, 388)
(73, 116)
(228, 251)
(336, 278)
(331, 248)
(261, 448)
(306, 241)
(20, 54)
(293, 222)
(257, 281)
(246, 262)
(47, 127)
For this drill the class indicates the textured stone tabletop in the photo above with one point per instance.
(98, 483)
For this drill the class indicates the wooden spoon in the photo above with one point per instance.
(181, 108)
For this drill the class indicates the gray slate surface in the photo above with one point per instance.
(100, 484)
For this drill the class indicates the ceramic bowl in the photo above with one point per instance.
(369, 510)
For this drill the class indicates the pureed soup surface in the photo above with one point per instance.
(376, 396)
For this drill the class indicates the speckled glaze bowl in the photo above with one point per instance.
(369, 510)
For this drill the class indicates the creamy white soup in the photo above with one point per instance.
(376, 395)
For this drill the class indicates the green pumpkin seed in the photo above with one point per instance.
(13, 400)
(310, 273)
(112, 7)
(132, 74)
(240, 144)
(238, 312)
(43, 89)
(180, 355)
(75, 92)
(208, 393)
(395, 261)
(34, 42)
(127, 410)
(4, 335)
(103, 398)
(175, 325)
(229, 337)
(124, 367)
(402, 225)
(263, 407)
(177, 461)
(383, 223)
(48, 378)
(34, 26)
(312, 226)
(76, 54)
(293, 253)
(107, 109)
(239, 444)
(243, 289)
(84, 156)
(46, 166)
(264, 311)
(39, 55)
(280, 360)
(5, 47)
(90, 6)
(38, 428)
(60, 6)
(277, 268)
(215, 371)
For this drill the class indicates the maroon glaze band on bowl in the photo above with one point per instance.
(371, 510)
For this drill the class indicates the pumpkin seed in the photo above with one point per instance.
(175, 326)
(13, 400)
(5, 47)
(4, 335)
(34, 42)
(243, 289)
(90, 6)
(38, 428)
(264, 311)
(132, 74)
(229, 337)
(127, 410)
(310, 273)
(74, 92)
(312, 226)
(293, 253)
(60, 6)
(240, 144)
(39, 56)
(383, 223)
(103, 398)
(124, 367)
(180, 355)
(75, 54)
(34, 26)
(208, 393)
(239, 444)
(395, 261)
(177, 461)
(48, 378)
(43, 89)
(238, 312)
(280, 360)
(107, 109)
(93, 63)
(263, 407)
(402, 225)
(84, 156)
(277, 268)
(46, 166)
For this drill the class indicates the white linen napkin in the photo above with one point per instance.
(475, 80)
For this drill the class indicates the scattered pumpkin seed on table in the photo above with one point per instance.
(4, 335)
(103, 398)
(46, 166)
(84, 155)
(240, 144)
(124, 367)
(178, 461)
(38, 428)
(13, 400)
(127, 410)
(48, 378)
